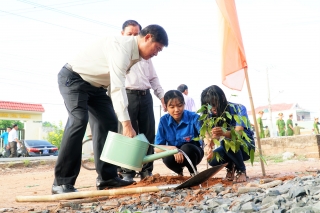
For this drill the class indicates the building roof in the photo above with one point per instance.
(278, 108)
(21, 106)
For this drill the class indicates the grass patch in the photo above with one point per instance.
(26, 163)
(10, 165)
(269, 158)
(43, 162)
(301, 158)
(91, 160)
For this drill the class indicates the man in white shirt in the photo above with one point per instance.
(13, 141)
(189, 102)
(141, 79)
(82, 84)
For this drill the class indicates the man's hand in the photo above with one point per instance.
(128, 130)
(163, 105)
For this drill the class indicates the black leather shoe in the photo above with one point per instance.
(112, 183)
(145, 174)
(63, 189)
(128, 176)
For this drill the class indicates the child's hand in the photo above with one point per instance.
(179, 157)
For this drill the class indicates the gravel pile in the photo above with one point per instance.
(300, 194)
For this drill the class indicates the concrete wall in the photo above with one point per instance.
(306, 145)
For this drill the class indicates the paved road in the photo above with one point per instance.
(28, 158)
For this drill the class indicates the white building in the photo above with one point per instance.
(301, 116)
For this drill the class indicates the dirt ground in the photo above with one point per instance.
(36, 179)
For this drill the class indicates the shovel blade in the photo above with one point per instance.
(201, 177)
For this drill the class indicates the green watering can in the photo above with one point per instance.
(130, 153)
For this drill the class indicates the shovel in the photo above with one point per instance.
(193, 181)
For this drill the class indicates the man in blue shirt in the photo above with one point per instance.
(4, 136)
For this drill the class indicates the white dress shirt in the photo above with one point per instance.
(189, 103)
(143, 76)
(12, 136)
(108, 61)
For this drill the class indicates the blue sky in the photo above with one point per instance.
(38, 37)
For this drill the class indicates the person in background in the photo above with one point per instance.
(315, 126)
(296, 129)
(138, 83)
(267, 132)
(189, 102)
(82, 84)
(290, 125)
(13, 141)
(176, 130)
(215, 97)
(281, 125)
(260, 124)
(6, 145)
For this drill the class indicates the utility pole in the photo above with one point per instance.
(269, 102)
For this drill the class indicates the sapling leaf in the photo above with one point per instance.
(244, 134)
(251, 156)
(226, 145)
(246, 150)
(233, 146)
(223, 129)
(232, 105)
(217, 120)
(196, 139)
(209, 107)
(202, 109)
(245, 120)
(225, 125)
(203, 130)
(228, 115)
(216, 142)
(236, 117)
(203, 116)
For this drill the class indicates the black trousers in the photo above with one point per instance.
(195, 154)
(142, 119)
(84, 103)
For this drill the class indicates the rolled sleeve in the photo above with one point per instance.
(119, 63)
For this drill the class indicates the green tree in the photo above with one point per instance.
(8, 123)
(55, 136)
(47, 124)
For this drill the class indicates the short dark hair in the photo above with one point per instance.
(14, 125)
(172, 94)
(130, 23)
(157, 32)
(182, 87)
(9, 127)
(296, 124)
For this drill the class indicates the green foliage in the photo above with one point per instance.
(47, 124)
(55, 136)
(8, 123)
(26, 163)
(237, 137)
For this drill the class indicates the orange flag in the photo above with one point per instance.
(233, 56)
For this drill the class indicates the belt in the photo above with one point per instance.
(138, 92)
(68, 67)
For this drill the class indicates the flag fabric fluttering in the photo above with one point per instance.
(233, 56)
